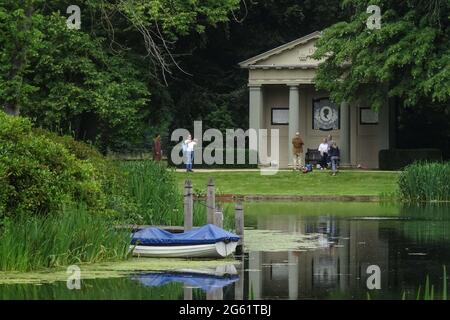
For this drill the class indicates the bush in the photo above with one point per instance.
(425, 182)
(37, 174)
(396, 159)
(112, 180)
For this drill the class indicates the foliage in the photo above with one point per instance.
(424, 181)
(155, 191)
(112, 180)
(407, 58)
(428, 292)
(72, 236)
(38, 175)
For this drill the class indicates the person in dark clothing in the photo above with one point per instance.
(157, 148)
(334, 155)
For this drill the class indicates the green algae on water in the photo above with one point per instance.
(112, 270)
(272, 241)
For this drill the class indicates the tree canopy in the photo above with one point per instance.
(407, 58)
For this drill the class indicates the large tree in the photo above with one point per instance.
(96, 81)
(408, 58)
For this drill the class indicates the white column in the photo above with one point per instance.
(256, 108)
(294, 115)
(345, 134)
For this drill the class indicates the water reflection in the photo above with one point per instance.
(406, 248)
(407, 243)
(208, 280)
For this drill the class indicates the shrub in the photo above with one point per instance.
(425, 182)
(112, 180)
(396, 159)
(37, 174)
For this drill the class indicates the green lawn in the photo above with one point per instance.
(350, 183)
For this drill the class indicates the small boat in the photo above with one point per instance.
(208, 241)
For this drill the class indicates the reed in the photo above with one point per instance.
(154, 189)
(425, 182)
(428, 292)
(73, 236)
(160, 202)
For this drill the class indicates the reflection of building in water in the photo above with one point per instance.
(340, 267)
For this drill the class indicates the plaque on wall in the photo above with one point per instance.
(368, 116)
(325, 115)
(280, 116)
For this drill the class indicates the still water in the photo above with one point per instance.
(296, 251)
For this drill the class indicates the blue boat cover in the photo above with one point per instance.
(207, 234)
(207, 283)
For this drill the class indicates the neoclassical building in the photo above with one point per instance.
(283, 96)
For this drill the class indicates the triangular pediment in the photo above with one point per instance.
(290, 55)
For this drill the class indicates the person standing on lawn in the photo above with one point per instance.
(334, 155)
(189, 154)
(297, 150)
(323, 149)
(157, 148)
(330, 142)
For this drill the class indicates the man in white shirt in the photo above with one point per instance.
(323, 149)
(190, 144)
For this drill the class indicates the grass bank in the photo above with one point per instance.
(346, 183)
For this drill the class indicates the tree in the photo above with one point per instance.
(408, 58)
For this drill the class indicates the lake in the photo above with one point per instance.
(307, 250)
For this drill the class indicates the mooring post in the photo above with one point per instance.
(218, 217)
(215, 295)
(187, 293)
(239, 225)
(210, 201)
(188, 205)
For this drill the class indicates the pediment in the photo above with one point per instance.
(295, 54)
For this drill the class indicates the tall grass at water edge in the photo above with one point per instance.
(71, 237)
(425, 182)
(159, 200)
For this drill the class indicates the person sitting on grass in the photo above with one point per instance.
(334, 155)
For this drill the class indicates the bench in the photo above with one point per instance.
(312, 156)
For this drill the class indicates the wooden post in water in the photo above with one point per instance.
(187, 293)
(215, 295)
(210, 201)
(218, 217)
(188, 205)
(239, 225)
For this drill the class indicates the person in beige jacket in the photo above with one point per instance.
(297, 150)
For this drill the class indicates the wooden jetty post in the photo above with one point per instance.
(188, 205)
(187, 293)
(215, 295)
(218, 217)
(239, 225)
(210, 201)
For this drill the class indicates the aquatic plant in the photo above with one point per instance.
(155, 191)
(425, 181)
(73, 236)
(428, 292)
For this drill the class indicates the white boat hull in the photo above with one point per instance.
(215, 250)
